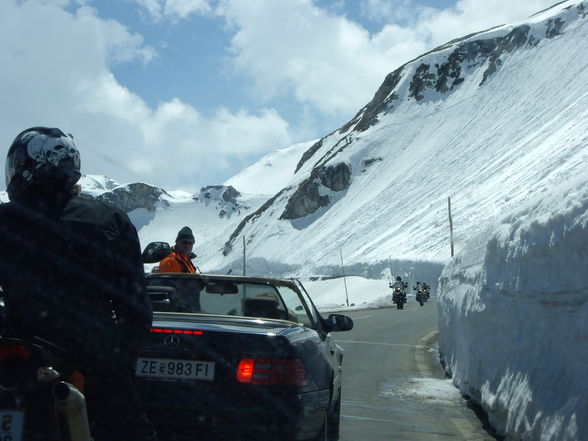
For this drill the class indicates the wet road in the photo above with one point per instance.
(393, 386)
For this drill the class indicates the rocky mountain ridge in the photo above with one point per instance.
(224, 199)
(389, 133)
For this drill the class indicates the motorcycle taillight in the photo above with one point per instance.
(14, 352)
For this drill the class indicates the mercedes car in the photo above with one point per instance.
(235, 357)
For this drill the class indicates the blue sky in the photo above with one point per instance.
(185, 93)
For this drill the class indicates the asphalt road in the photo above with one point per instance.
(393, 385)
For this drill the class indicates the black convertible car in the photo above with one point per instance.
(234, 357)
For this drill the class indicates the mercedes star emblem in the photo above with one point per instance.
(171, 341)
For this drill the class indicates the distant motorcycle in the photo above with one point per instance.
(37, 400)
(427, 291)
(399, 297)
(421, 296)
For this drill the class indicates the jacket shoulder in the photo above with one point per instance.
(95, 211)
(169, 264)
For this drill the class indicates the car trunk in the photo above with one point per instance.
(217, 401)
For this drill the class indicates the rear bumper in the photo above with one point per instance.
(252, 413)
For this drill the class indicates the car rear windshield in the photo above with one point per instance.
(216, 296)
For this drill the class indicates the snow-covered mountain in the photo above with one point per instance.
(490, 120)
(159, 214)
(272, 172)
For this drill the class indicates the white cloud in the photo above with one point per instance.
(326, 60)
(174, 9)
(386, 10)
(467, 16)
(332, 63)
(56, 71)
(295, 47)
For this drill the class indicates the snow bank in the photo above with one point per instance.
(330, 294)
(513, 318)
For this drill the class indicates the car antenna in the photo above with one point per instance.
(230, 271)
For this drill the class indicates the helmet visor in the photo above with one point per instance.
(14, 162)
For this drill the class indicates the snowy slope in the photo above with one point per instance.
(491, 121)
(202, 216)
(271, 173)
(215, 211)
(513, 317)
(96, 185)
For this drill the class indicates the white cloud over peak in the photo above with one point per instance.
(174, 9)
(57, 59)
(331, 62)
(325, 59)
(295, 47)
(468, 16)
(386, 11)
(56, 71)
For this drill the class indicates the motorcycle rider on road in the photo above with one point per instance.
(426, 290)
(398, 287)
(420, 295)
(71, 273)
(399, 283)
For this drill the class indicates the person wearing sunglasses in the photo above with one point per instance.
(180, 259)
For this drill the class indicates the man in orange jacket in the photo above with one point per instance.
(179, 261)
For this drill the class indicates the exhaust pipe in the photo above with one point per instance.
(71, 410)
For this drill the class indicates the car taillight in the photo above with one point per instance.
(175, 331)
(14, 352)
(268, 371)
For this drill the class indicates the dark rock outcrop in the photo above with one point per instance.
(305, 201)
(308, 154)
(228, 247)
(307, 198)
(133, 196)
(224, 197)
(382, 101)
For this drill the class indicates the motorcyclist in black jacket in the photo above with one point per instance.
(398, 288)
(71, 273)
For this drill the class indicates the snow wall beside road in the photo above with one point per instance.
(513, 319)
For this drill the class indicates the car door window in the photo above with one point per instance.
(297, 311)
(313, 312)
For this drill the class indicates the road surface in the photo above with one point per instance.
(393, 385)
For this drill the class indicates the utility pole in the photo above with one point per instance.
(244, 271)
(450, 225)
(344, 281)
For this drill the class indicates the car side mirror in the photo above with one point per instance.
(339, 322)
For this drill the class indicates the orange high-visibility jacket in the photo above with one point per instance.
(176, 263)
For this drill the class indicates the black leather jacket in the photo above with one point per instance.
(71, 272)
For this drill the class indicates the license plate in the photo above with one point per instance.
(11, 424)
(177, 369)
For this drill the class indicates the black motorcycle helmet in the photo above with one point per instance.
(398, 279)
(41, 159)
